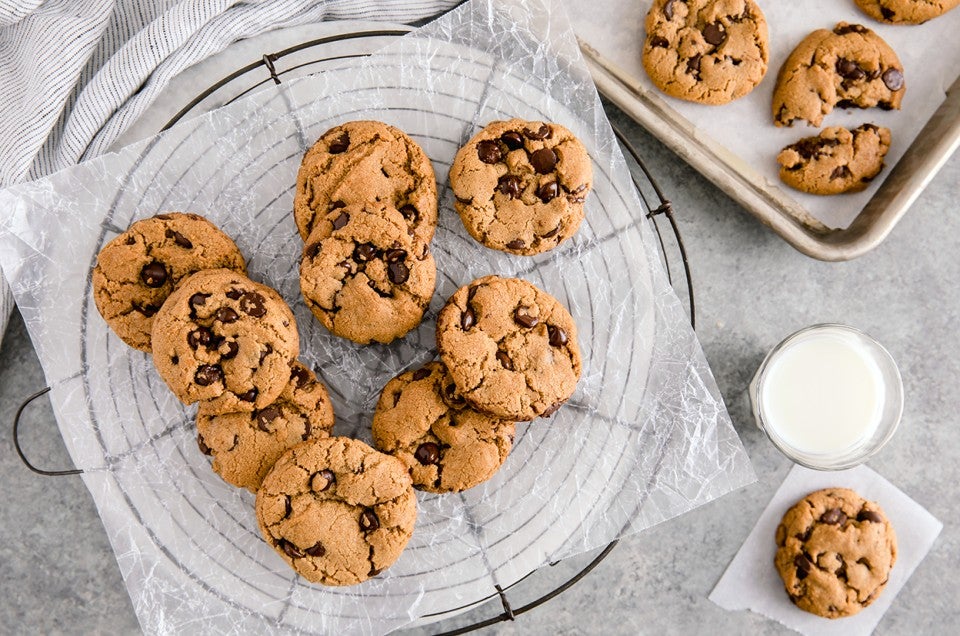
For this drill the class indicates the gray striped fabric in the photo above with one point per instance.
(74, 74)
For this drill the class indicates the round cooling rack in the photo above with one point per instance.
(202, 520)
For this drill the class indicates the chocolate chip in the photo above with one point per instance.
(510, 185)
(668, 10)
(395, 254)
(307, 428)
(834, 516)
(267, 350)
(849, 28)
(693, 64)
(341, 220)
(267, 415)
(804, 566)
(714, 33)
(452, 396)
(287, 508)
(374, 571)
(543, 160)
(146, 310)
(524, 319)
(364, 253)
(541, 133)
(850, 69)
(427, 453)
(409, 212)
(203, 446)
(512, 140)
(847, 103)
(317, 550)
(322, 480)
(553, 408)
(551, 233)
(659, 42)
(340, 144)
(165, 216)
(226, 315)
(558, 337)
(869, 128)
(887, 14)
(885, 106)
(467, 319)
(253, 304)
(516, 244)
(199, 338)
(179, 239)
(153, 274)
(398, 273)
(489, 151)
(207, 374)
(893, 78)
(420, 374)
(548, 191)
(232, 350)
(369, 521)
(505, 360)
(290, 550)
(300, 376)
(131, 240)
(234, 294)
(869, 515)
(841, 571)
(840, 172)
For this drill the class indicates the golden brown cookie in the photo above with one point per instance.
(138, 269)
(834, 552)
(336, 510)
(520, 185)
(246, 445)
(223, 338)
(906, 11)
(850, 67)
(838, 160)
(422, 420)
(364, 277)
(363, 162)
(706, 51)
(510, 347)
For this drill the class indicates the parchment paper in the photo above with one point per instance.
(930, 54)
(645, 438)
(751, 581)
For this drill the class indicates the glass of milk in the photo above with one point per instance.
(829, 396)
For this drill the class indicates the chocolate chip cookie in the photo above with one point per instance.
(520, 185)
(835, 552)
(906, 11)
(850, 67)
(838, 160)
(422, 420)
(510, 347)
(336, 510)
(139, 269)
(366, 161)
(246, 445)
(223, 338)
(364, 277)
(706, 51)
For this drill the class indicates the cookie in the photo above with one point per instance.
(337, 511)
(246, 445)
(511, 348)
(835, 552)
(838, 160)
(706, 51)
(223, 338)
(520, 185)
(906, 11)
(849, 67)
(422, 420)
(366, 161)
(140, 268)
(364, 277)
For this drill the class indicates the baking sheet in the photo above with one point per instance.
(930, 54)
(645, 438)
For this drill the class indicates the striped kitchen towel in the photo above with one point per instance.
(74, 74)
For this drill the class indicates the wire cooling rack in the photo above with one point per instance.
(312, 56)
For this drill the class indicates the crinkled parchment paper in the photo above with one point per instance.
(645, 438)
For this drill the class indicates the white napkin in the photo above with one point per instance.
(752, 582)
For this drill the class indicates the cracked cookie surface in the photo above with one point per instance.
(422, 420)
(848, 67)
(706, 51)
(834, 552)
(337, 511)
(366, 161)
(906, 11)
(838, 160)
(246, 445)
(223, 338)
(510, 347)
(364, 277)
(139, 269)
(520, 185)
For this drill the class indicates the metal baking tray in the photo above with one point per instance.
(929, 151)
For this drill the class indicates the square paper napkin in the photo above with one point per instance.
(752, 582)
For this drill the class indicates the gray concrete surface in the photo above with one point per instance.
(59, 575)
